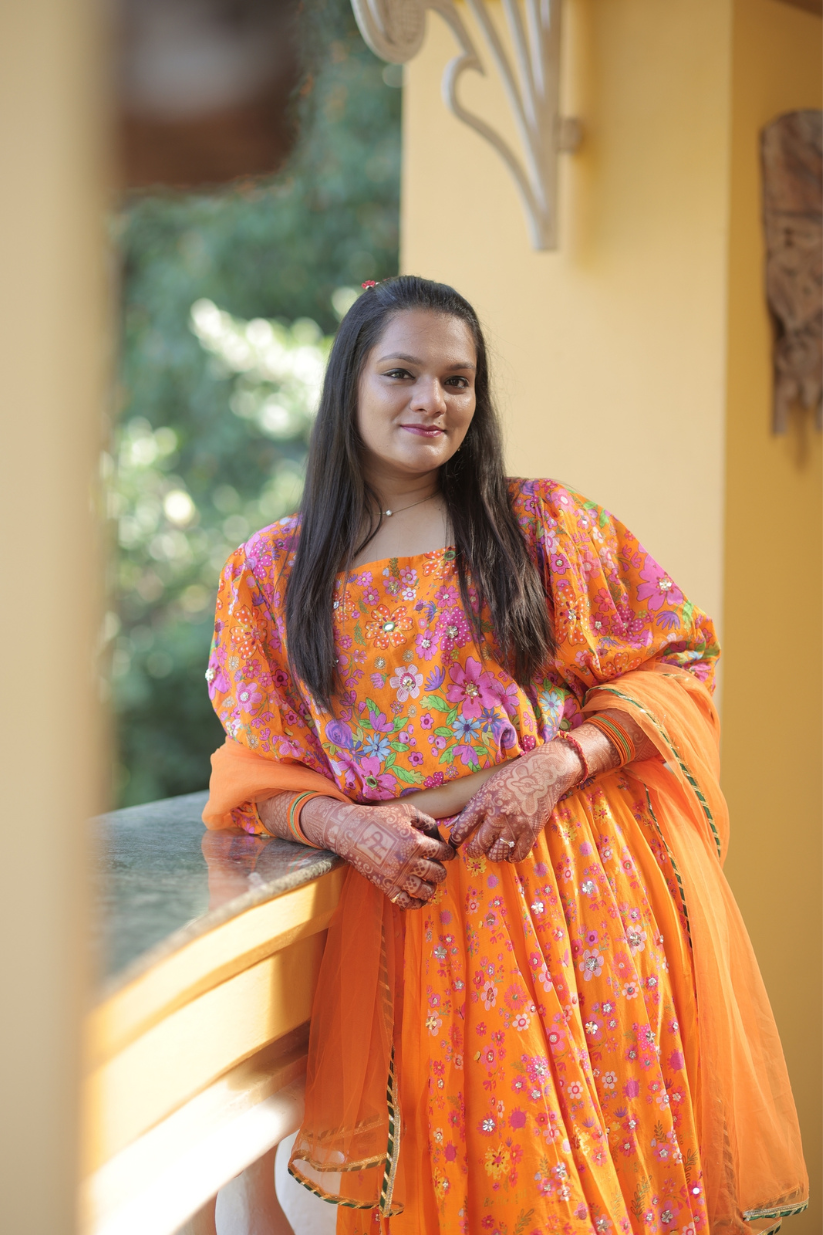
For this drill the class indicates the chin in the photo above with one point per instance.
(423, 460)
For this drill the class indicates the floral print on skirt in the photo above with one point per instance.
(549, 1038)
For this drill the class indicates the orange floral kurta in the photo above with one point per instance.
(549, 1028)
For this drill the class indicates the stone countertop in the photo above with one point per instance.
(163, 879)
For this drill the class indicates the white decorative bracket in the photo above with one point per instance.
(394, 30)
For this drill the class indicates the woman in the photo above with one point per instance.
(569, 1033)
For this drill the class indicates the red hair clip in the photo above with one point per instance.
(369, 283)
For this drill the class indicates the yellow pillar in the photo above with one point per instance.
(634, 363)
(773, 611)
(611, 350)
(52, 358)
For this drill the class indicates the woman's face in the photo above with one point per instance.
(416, 395)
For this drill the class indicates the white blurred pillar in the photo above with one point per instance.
(307, 1214)
(264, 1200)
(249, 1205)
(201, 1223)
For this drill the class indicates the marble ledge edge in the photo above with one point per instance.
(323, 862)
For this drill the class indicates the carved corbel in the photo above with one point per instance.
(394, 30)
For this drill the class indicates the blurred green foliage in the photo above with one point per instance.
(210, 438)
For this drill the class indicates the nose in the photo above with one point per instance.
(428, 396)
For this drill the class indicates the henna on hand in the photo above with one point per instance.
(387, 843)
(393, 844)
(508, 814)
(505, 818)
(274, 815)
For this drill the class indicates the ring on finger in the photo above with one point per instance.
(396, 897)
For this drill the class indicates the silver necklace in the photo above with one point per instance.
(389, 513)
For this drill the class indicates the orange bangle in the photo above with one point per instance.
(293, 818)
(619, 737)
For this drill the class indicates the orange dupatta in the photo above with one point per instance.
(749, 1136)
(347, 1150)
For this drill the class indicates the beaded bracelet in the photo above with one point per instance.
(573, 742)
(617, 735)
(293, 818)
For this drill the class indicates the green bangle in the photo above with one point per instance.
(293, 817)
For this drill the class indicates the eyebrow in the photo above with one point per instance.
(416, 360)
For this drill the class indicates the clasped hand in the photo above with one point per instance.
(504, 819)
(393, 844)
(396, 844)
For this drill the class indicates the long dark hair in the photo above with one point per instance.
(338, 504)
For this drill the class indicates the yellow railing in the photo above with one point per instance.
(196, 1057)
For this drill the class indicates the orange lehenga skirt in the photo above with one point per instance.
(580, 1043)
(549, 1046)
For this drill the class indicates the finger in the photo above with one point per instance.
(502, 849)
(425, 824)
(402, 899)
(484, 838)
(522, 847)
(435, 849)
(417, 888)
(431, 872)
(466, 823)
(427, 829)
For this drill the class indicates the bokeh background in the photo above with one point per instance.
(229, 295)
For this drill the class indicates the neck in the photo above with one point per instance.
(394, 492)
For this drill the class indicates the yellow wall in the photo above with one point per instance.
(52, 355)
(611, 351)
(634, 362)
(773, 612)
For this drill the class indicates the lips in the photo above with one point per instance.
(423, 430)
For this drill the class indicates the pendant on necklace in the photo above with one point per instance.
(387, 512)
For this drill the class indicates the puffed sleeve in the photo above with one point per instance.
(613, 607)
(250, 684)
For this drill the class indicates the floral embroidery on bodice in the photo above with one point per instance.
(420, 701)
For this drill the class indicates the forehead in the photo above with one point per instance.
(428, 335)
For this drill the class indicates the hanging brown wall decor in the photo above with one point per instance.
(792, 152)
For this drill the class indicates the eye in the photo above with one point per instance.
(398, 373)
(461, 383)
